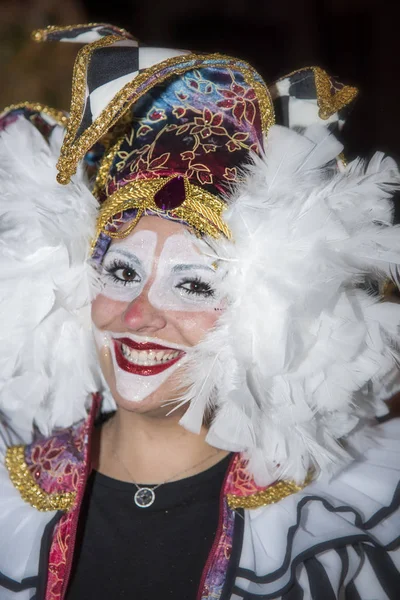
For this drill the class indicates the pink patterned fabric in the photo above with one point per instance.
(71, 444)
(56, 462)
(239, 482)
(215, 570)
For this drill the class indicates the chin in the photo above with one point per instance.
(156, 403)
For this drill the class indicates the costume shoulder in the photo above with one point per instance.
(22, 528)
(338, 536)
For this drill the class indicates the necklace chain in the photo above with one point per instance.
(145, 495)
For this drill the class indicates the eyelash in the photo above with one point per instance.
(206, 291)
(115, 266)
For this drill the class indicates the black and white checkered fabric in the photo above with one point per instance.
(110, 67)
(296, 102)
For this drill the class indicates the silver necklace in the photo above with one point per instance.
(145, 495)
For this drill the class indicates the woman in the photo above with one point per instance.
(233, 452)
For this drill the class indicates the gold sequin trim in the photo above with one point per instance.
(74, 149)
(104, 168)
(58, 115)
(40, 35)
(29, 489)
(112, 140)
(276, 492)
(200, 209)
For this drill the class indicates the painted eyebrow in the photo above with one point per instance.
(132, 257)
(188, 267)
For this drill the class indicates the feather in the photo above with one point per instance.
(49, 367)
(301, 338)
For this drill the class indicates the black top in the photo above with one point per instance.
(124, 551)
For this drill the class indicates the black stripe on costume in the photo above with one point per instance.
(383, 513)
(351, 592)
(17, 586)
(300, 558)
(238, 530)
(319, 582)
(385, 570)
(344, 558)
(44, 555)
(296, 592)
(110, 63)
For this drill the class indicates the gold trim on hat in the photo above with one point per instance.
(200, 209)
(58, 115)
(328, 103)
(41, 35)
(29, 490)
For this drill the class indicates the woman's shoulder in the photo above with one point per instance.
(337, 533)
(22, 526)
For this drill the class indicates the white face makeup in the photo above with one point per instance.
(185, 280)
(180, 278)
(141, 364)
(127, 266)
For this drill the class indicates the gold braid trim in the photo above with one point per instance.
(58, 115)
(328, 103)
(200, 209)
(104, 168)
(74, 149)
(274, 493)
(40, 35)
(29, 489)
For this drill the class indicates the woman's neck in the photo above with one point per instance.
(147, 449)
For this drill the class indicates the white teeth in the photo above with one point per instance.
(148, 358)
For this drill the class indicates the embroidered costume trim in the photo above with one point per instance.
(274, 493)
(30, 491)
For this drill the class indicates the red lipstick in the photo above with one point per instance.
(144, 370)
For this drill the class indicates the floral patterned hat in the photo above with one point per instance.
(169, 130)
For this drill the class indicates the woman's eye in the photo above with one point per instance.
(126, 274)
(197, 287)
(122, 273)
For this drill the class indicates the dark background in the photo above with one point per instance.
(354, 40)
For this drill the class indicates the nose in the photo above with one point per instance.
(141, 316)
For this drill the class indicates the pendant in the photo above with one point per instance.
(144, 497)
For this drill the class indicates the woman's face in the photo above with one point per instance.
(159, 298)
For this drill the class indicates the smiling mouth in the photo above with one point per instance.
(144, 359)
